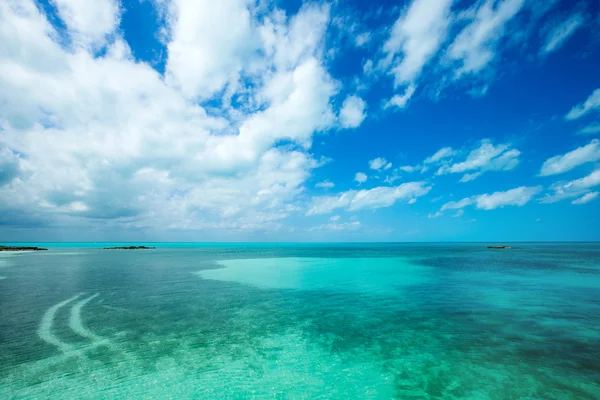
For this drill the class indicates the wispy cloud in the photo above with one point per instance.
(578, 187)
(416, 37)
(486, 157)
(590, 129)
(439, 155)
(566, 162)
(401, 101)
(475, 46)
(586, 198)
(557, 37)
(325, 184)
(514, 197)
(371, 199)
(592, 103)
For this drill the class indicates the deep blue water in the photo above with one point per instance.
(406, 321)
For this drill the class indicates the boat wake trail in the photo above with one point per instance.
(45, 329)
(76, 324)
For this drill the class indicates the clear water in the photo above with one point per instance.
(301, 322)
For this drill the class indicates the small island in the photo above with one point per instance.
(129, 248)
(21, 248)
(499, 247)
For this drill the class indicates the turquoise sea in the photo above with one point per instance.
(301, 321)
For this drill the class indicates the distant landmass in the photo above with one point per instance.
(21, 248)
(129, 248)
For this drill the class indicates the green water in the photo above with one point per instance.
(295, 321)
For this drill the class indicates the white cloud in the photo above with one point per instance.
(371, 199)
(441, 154)
(586, 198)
(514, 197)
(456, 205)
(352, 113)
(401, 101)
(591, 129)
(89, 22)
(368, 68)
(566, 162)
(334, 218)
(379, 164)
(486, 157)
(575, 188)
(459, 213)
(559, 35)
(408, 168)
(415, 38)
(325, 184)
(592, 103)
(360, 177)
(9, 166)
(210, 43)
(89, 138)
(476, 45)
(333, 226)
(362, 39)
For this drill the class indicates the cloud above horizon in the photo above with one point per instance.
(252, 116)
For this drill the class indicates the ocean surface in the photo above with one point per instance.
(301, 321)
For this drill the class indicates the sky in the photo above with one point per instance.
(241, 120)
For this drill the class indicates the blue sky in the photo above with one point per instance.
(236, 120)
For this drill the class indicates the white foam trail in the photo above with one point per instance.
(45, 329)
(2, 277)
(76, 324)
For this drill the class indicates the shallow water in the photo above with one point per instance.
(302, 321)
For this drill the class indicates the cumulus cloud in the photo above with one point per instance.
(475, 46)
(89, 22)
(360, 177)
(514, 197)
(566, 162)
(379, 164)
(415, 38)
(560, 33)
(9, 166)
(586, 198)
(109, 138)
(210, 44)
(592, 103)
(371, 199)
(575, 188)
(325, 184)
(486, 157)
(439, 155)
(353, 112)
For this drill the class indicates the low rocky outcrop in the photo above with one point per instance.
(21, 248)
(129, 248)
(499, 247)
